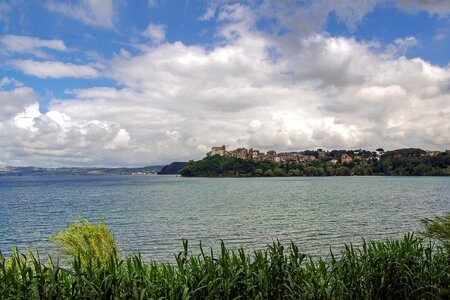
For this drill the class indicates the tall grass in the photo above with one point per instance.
(439, 229)
(407, 268)
(91, 243)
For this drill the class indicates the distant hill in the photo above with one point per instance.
(172, 168)
(400, 162)
(36, 171)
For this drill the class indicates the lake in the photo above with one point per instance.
(153, 213)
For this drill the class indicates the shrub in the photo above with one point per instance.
(90, 242)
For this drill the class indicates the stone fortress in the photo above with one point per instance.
(273, 156)
(305, 156)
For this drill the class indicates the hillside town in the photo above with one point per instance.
(335, 156)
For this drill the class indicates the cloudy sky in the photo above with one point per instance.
(132, 83)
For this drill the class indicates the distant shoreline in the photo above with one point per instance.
(70, 171)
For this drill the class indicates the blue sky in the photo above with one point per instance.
(108, 83)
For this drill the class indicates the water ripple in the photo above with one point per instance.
(152, 214)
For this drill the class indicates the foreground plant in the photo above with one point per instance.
(438, 228)
(408, 268)
(92, 243)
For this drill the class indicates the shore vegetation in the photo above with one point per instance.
(413, 267)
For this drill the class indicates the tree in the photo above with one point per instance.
(421, 169)
(342, 171)
(294, 172)
(278, 172)
(268, 173)
(329, 170)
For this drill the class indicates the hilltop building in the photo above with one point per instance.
(321, 154)
(433, 153)
(346, 159)
(218, 151)
(257, 155)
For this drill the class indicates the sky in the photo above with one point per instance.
(134, 83)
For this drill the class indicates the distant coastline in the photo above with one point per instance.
(68, 171)
(242, 162)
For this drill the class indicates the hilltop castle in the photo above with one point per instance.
(271, 155)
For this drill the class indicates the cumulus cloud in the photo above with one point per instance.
(252, 89)
(14, 101)
(54, 138)
(155, 32)
(235, 95)
(91, 12)
(28, 44)
(54, 69)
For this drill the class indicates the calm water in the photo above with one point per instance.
(152, 213)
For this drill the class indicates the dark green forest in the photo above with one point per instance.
(401, 162)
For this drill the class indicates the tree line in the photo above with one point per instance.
(406, 163)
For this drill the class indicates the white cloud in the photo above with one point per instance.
(208, 14)
(155, 32)
(7, 81)
(323, 92)
(152, 3)
(233, 95)
(177, 100)
(442, 33)
(298, 17)
(14, 101)
(25, 120)
(29, 45)
(91, 12)
(440, 7)
(5, 8)
(54, 69)
(402, 45)
(28, 136)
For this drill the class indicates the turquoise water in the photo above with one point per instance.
(153, 213)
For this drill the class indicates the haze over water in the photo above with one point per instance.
(151, 214)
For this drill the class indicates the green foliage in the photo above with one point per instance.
(279, 172)
(395, 269)
(438, 228)
(413, 165)
(268, 173)
(294, 172)
(405, 152)
(407, 268)
(91, 243)
(393, 164)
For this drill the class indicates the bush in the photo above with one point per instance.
(90, 242)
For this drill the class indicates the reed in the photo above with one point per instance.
(438, 228)
(407, 268)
